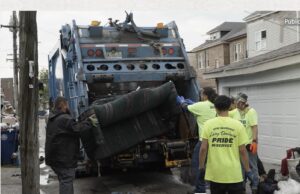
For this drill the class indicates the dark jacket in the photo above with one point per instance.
(62, 140)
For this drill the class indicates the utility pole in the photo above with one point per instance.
(13, 27)
(16, 76)
(29, 145)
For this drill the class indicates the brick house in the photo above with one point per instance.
(237, 46)
(270, 76)
(216, 52)
(7, 89)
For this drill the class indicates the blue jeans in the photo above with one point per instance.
(254, 168)
(199, 183)
(253, 165)
(65, 178)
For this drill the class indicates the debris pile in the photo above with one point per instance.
(288, 187)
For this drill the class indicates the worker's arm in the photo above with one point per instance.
(244, 157)
(254, 132)
(253, 146)
(203, 153)
(184, 103)
(75, 127)
(242, 141)
(253, 121)
(196, 109)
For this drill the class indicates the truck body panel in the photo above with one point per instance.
(98, 63)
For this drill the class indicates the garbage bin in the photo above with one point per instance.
(8, 145)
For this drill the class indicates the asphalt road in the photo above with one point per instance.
(129, 183)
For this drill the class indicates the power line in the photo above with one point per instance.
(14, 27)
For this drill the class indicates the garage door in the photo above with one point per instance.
(278, 107)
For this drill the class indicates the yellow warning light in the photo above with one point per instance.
(95, 23)
(160, 25)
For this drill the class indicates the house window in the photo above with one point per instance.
(215, 36)
(206, 59)
(217, 63)
(261, 40)
(200, 61)
(237, 50)
(245, 50)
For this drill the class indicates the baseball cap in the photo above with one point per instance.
(241, 97)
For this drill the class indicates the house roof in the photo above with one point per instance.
(233, 27)
(256, 15)
(240, 33)
(290, 50)
(225, 26)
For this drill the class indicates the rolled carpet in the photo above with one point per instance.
(132, 119)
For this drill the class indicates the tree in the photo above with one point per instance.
(44, 90)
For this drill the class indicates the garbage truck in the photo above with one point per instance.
(99, 66)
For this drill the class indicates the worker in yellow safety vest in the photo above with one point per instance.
(248, 117)
(223, 143)
(203, 111)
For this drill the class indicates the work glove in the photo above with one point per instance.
(253, 147)
(180, 100)
(250, 175)
(97, 132)
(94, 121)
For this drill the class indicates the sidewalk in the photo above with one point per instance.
(11, 180)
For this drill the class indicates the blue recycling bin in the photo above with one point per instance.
(9, 141)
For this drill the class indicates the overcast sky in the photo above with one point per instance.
(193, 18)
